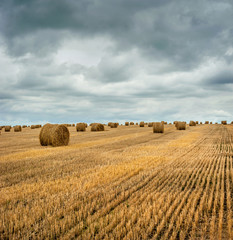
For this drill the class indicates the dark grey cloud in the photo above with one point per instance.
(106, 59)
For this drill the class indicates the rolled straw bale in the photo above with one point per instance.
(54, 135)
(136, 124)
(126, 123)
(33, 126)
(97, 127)
(7, 128)
(141, 124)
(17, 128)
(196, 122)
(80, 127)
(114, 125)
(131, 123)
(206, 122)
(158, 127)
(181, 125)
(150, 124)
(109, 124)
(192, 123)
(224, 122)
(200, 122)
(210, 122)
(24, 126)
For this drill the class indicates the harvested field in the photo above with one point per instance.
(121, 183)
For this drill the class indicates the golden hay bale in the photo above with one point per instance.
(196, 122)
(55, 135)
(141, 124)
(232, 122)
(224, 122)
(210, 122)
(200, 122)
(206, 122)
(17, 128)
(158, 127)
(131, 123)
(181, 125)
(114, 125)
(97, 127)
(33, 126)
(126, 123)
(80, 127)
(24, 126)
(150, 124)
(7, 128)
(109, 124)
(137, 124)
(192, 123)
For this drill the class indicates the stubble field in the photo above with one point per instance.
(123, 183)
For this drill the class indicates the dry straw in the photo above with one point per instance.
(206, 122)
(97, 127)
(7, 128)
(126, 123)
(192, 123)
(55, 135)
(17, 128)
(114, 125)
(224, 122)
(158, 127)
(109, 124)
(181, 125)
(141, 124)
(150, 124)
(80, 127)
(131, 123)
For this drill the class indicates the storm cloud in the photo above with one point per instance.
(107, 60)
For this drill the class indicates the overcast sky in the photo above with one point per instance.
(115, 60)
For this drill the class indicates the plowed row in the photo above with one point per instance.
(125, 183)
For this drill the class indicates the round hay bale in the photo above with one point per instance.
(158, 127)
(7, 128)
(17, 128)
(206, 122)
(141, 124)
(192, 123)
(232, 122)
(33, 126)
(196, 122)
(150, 124)
(109, 124)
(224, 122)
(137, 124)
(131, 123)
(126, 123)
(200, 122)
(210, 122)
(97, 127)
(80, 127)
(114, 125)
(54, 135)
(24, 126)
(181, 125)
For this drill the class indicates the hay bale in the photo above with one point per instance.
(206, 122)
(141, 124)
(109, 124)
(150, 124)
(7, 128)
(97, 127)
(24, 126)
(192, 123)
(210, 122)
(200, 122)
(114, 125)
(196, 122)
(158, 127)
(80, 127)
(17, 128)
(126, 123)
(131, 123)
(54, 135)
(137, 124)
(33, 126)
(181, 125)
(224, 122)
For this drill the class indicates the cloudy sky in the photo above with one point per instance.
(115, 60)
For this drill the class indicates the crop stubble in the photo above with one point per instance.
(125, 183)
